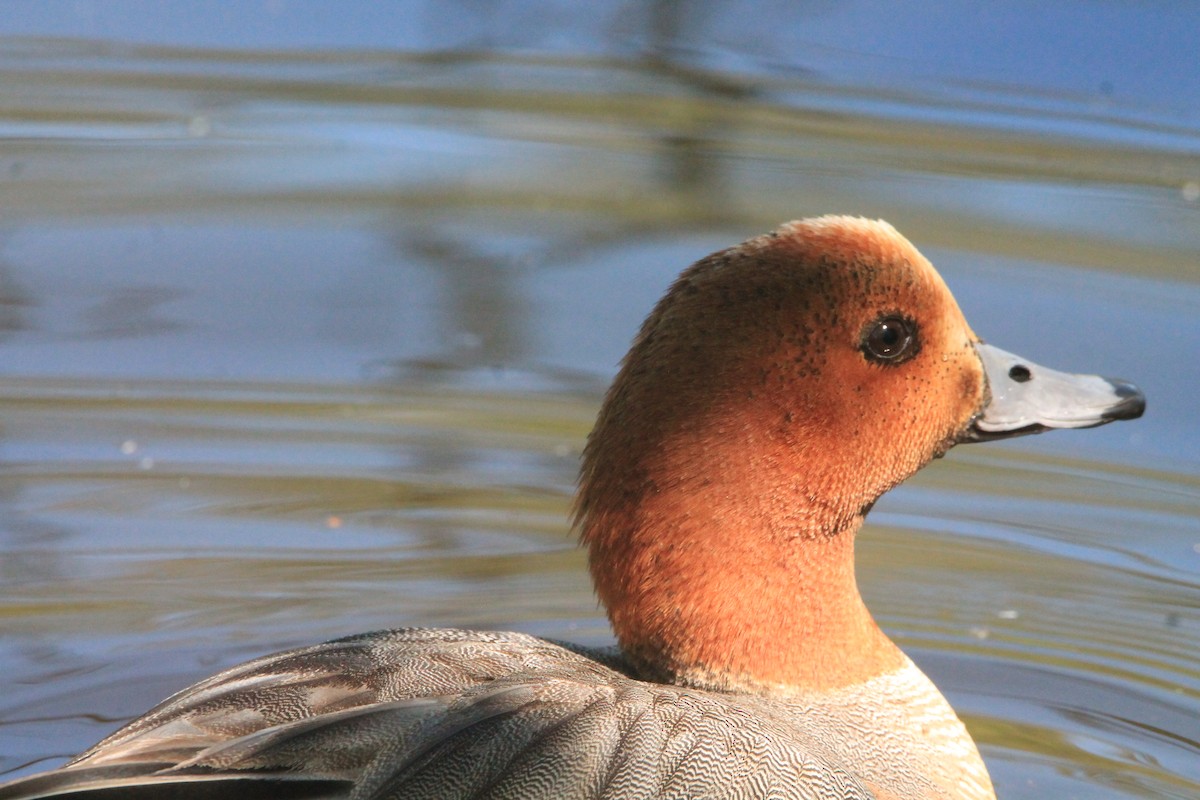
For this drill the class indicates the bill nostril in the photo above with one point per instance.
(1020, 373)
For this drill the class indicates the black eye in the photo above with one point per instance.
(891, 340)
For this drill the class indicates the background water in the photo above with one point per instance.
(305, 311)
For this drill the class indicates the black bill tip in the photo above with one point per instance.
(1131, 405)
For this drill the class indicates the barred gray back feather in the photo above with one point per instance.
(446, 714)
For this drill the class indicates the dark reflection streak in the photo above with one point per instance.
(131, 312)
(688, 160)
(480, 312)
(480, 323)
(1122, 726)
(29, 551)
(683, 164)
(15, 300)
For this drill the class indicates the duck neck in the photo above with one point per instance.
(733, 583)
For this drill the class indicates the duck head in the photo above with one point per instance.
(775, 392)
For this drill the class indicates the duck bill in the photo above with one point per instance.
(1027, 398)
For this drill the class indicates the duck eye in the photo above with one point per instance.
(890, 340)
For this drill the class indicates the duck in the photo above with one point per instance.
(774, 393)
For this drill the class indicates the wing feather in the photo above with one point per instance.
(445, 715)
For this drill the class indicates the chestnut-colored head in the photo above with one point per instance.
(773, 394)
